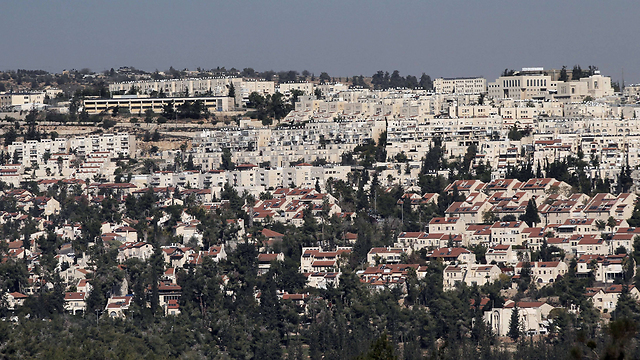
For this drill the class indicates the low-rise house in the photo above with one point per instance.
(534, 236)
(265, 260)
(470, 274)
(140, 250)
(622, 239)
(446, 225)
(448, 255)
(544, 272)
(531, 317)
(117, 306)
(605, 299)
(478, 235)
(14, 299)
(501, 254)
(172, 308)
(130, 234)
(590, 245)
(465, 187)
(470, 213)
(322, 280)
(508, 232)
(271, 237)
(384, 255)
(168, 291)
(75, 302)
(216, 253)
(605, 269)
(311, 255)
(389, 275)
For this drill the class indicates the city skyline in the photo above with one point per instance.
(449, 39)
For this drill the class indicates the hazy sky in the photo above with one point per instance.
(442, 38)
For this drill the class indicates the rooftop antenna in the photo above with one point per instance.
(622, 85)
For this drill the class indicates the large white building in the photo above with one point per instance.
(12, 100)
(35, 152)
(466, 86)
(139, 105)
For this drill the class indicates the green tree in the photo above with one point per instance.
(531, 216)
(381, 349)
(226, 163)
(514, 324)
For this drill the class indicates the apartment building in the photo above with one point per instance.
(468, 85)
(140, 105)
(8, 101)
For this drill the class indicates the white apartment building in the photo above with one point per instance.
(139, 105)
(470, 85)
(9, 100)
(115, 144)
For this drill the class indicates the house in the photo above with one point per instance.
(384, 255)
(534, 236)
(590, 245)
(532, 317)
(172, 308)
(578, 226)
(271, 236)
(470, 274)
(128, 233)
(457, 255)
(557, 210)
(388, 275)
(605, 299)
(351, 238)
(508, 232)
(606, 269)
(470, 213)
(265, 260)
(477, 235)
(408, 239)
(168, 291)
(216, 253)
(541, 186)
(322, 280)
(14, 299)
(75, 302)
(139, 250)
(118, 305)
(446, 225)
(501, 254)
(622, 239)
(544, 272)
(502, 185)
(311, 255)
(465, 187)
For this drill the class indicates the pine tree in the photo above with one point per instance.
(530, 215)
(514, 324)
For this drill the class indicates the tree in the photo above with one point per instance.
(489, 217)
(531, 215)
(563, 74)
(324, 77)
(226, 163)
(232, 91)
(515, 134)
(425, 82)
(576, 73)
(10, 136)
(514, 324)
(381, 349)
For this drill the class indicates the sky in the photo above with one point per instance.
(446, 38)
